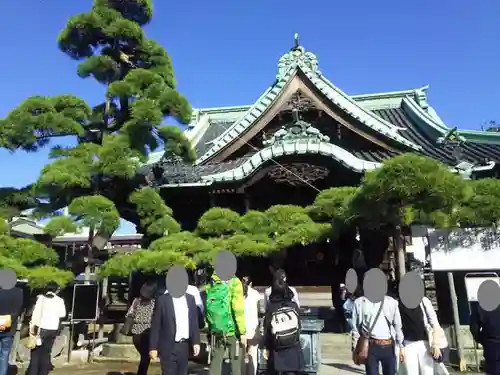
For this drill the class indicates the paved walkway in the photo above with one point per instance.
(335, 352)
(337, 357)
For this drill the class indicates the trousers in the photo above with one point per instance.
(219, 347)
(418, 360)
(384, 355)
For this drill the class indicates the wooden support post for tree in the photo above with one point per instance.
(104, 298)
(399, 250)
(456, 322)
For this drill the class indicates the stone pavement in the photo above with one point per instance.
(336, 355)
(335, 352)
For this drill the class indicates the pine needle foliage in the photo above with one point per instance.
(30, 259)
(405, 188)
(112, 137)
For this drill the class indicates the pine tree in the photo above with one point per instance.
(30, 259)
(95, 178)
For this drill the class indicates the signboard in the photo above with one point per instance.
(474, 281)
(85, 306)
(464, 249)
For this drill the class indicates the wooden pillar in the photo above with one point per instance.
(246, 200)
(212, 200)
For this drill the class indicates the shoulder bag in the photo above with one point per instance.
(361, 350)
(436, 336)
(126, 329)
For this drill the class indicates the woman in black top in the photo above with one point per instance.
(288, 360)
(418, 354)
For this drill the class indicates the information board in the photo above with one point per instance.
(474, 281)
(85, 306)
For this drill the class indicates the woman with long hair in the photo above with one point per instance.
(142, 310)
(282, 329)
(45, 325)
(252, 298)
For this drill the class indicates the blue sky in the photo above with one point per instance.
(225, 53)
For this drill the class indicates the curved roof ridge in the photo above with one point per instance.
(253, 163)
(422, 116)
(378, 124)
(413, 107)
(393, 127)
(195, 133)
(216, 139)
(243, 123)
(380, 95)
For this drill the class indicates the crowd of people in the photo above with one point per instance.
(44, 326)
(166, 326)
(387, 333)
(410, 341)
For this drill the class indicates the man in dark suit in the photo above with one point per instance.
(174, 327)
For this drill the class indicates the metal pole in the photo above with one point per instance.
(70, 340)
(456, 322)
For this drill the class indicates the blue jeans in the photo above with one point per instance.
(5, 347)
(349, 324)
(384, 354)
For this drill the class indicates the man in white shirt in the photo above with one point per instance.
(174, 330)
(195, 292)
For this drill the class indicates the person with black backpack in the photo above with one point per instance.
(282, 329)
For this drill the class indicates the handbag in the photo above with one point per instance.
(126, 329)
(31, 342)
(33, 339)
(436, 336)
(361, 350)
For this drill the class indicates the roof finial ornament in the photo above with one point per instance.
(296, 39)
(297, 55)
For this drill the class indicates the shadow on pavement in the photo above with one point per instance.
(345, 367)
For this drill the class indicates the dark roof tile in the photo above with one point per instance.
(472, 152)
(215, 129)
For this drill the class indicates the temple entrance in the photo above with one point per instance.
(297, 180)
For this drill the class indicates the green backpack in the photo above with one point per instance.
(218, 308)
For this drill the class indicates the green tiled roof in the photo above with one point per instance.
(292, 63)
(212, 129)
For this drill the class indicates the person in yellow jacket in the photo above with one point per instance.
(225, 314)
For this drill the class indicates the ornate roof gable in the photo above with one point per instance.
(289, 64)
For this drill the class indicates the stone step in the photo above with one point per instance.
(125, 351)
(332, 346)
